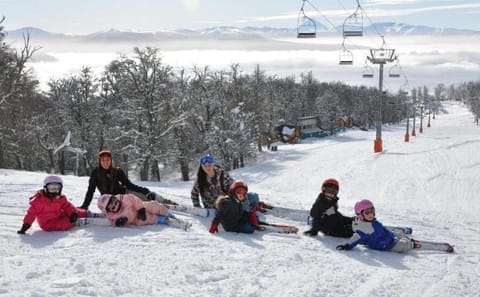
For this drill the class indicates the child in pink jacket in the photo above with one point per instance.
(51, 208)
(128, 209)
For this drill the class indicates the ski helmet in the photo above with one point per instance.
(361, 206)
(330, 182)
(237, 184)
(55, 182)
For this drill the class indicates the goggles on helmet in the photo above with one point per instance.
(207, 160)
(113, 204)
(54, 187)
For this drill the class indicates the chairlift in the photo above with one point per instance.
(367, 71)
(353, 24)
(395, 70)
(346, 56)
(306, 27)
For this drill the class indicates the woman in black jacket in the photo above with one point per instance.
(113, 180)
(325, 214)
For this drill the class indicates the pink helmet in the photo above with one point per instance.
(103, 202)
(52, 179)
(237, 184)
(362, 205)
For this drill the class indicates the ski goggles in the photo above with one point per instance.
(54, 187)
(330, 189)
(113, 204)
(207, 160)
(368, 212)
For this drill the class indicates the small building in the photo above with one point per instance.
(309, 127)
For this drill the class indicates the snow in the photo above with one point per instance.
(430, 183)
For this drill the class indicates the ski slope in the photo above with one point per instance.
(430, 183)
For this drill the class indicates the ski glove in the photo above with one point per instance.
(121, 221)
(311, 232)
(213, 228)
(141, 214)
(343, 247)
(73, 217)
(151, 196)
(24, 228)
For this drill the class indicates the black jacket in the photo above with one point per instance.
(230, 214)
(327, 218)
(111, 181)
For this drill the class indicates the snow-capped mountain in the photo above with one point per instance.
(229, 33)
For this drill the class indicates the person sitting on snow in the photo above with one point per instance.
(369, 231)
(109, 179)
(213, 181)
(128, 209)
(52, 210)
(325, 214)
(231, 212)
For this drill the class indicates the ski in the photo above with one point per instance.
(277, 228)
(433, 246)
(287, 213)
(197, 211)
(96, 221)
(179, 223)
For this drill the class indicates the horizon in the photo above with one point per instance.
(85, 17)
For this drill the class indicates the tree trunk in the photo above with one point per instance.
(184, 168)
(155, 170)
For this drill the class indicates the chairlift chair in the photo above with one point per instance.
(306, 27)
(367, 71)
(353, 24)
(394, 71)
(346, 57)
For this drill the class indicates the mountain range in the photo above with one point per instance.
(227, 33)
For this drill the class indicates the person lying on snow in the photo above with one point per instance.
(325, 214)
(369, 231)
(128, 209)
(232, 213)
(52, 210)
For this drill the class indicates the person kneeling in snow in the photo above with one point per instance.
(231, 212)
(325, 214)
(369, 231)
(51, 208)
(128, 209)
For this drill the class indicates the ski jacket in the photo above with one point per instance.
(327, 218)
(109, 181)
(231, 214)
(214, 187)
(52, 214)
(373, 234)
(129, 207)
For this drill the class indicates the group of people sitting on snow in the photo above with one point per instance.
(125, 203)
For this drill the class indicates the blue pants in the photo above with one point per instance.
(246, 228)
(162, 220)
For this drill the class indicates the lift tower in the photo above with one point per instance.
(380, 56)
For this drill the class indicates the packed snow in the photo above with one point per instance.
(430, 184)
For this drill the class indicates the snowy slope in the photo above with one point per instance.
(430, 184)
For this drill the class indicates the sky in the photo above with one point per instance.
(88, 16)
(429, 183)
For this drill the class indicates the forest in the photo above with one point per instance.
(151, 117)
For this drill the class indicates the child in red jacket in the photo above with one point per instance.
(51, 209)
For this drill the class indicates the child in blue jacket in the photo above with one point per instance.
(367, 230)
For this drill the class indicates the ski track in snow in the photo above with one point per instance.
(430, 184)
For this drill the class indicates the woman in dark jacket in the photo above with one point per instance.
(113, 180)
(325, 214)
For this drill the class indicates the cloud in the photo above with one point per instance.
(190, 4)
